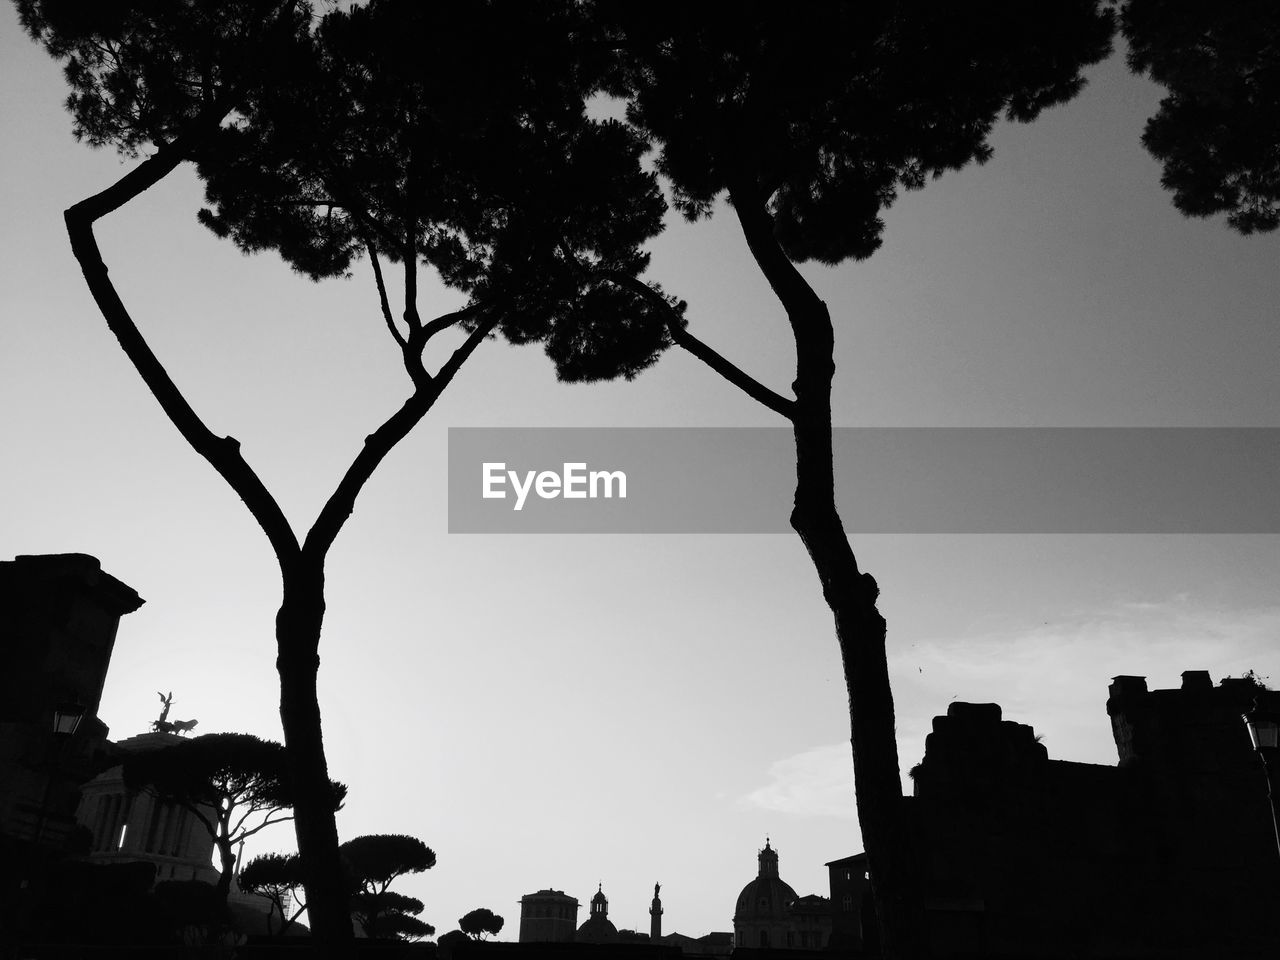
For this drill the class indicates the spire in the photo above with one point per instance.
(655, 915)
(600, 903)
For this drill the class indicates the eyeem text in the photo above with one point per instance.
(574, 482)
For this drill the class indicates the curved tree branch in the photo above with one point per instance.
(468, 346)
(213, 830)
(223, 453)
(379, 443)
(262, 826)
(448, 320)
(681, 336)
(791, 289)
(382, 294)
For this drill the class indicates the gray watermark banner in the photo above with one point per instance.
(888, 480)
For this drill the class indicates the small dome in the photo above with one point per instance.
(767, 896)
(598, 928)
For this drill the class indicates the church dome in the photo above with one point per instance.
(598, 928)
(767, 896)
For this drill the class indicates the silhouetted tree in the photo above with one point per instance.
(235, 784)
(373, 862)
(810, 118)
(278, 877)
(447, 943)
(450, 136)
(1217, 132)
(390, 916)
(481, 922)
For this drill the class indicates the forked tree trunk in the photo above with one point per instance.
(298, 624)
(850, 593)
(301, 613)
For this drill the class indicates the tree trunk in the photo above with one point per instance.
(860, 631)
(851, 594)
(298, 637)
(227, 856)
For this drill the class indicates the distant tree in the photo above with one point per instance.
(809, 119)
(390, 916)
(235, 784)
(401, 926)
(447, 943)
(373, 863)
(450, 137)
(278, 877)
(480, 923)
(1217, 132)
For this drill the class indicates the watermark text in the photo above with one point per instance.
(574, 482)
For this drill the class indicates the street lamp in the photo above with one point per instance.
(1264, 731)
(66, 719)
(67, 716)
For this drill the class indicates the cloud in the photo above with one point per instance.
(1052, 675)
(815, 783)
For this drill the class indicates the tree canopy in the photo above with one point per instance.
(390, 915)
(1217, 131)
(376, 859)
(235, 784)
(279, 878)
(387, 142)
(480, 922)
(823, 112)
(451, 137)
(143, 73)
(373, 863)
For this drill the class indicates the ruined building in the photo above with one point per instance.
(1170, 853)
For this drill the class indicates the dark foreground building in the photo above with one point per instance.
(1170, 853)
(58, 620)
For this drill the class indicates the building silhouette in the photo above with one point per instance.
(74, 842)
(1168, 853)
(769, 915)
(598, 928)
(548, 916)
(850, 898)
(58, 619)
(59, 615)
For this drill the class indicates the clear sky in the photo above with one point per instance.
(557, 711)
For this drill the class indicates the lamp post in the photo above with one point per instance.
(66, 720)
(1264, 731)
(67, 716)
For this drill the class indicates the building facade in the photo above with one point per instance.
(138, 826)
(850, 888)
(548, 916)
(769, 915)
